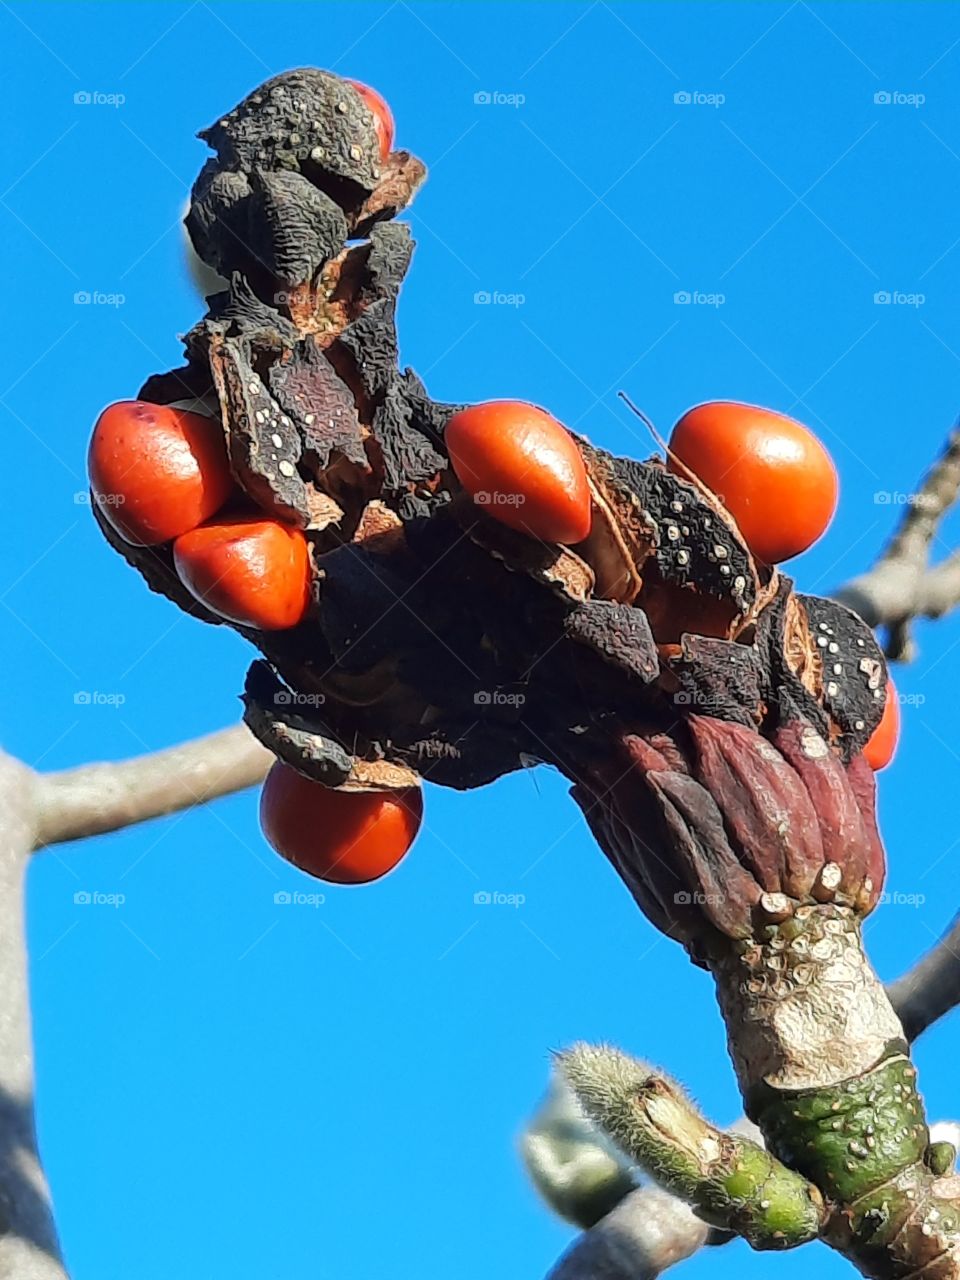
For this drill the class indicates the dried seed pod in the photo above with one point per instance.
(410, 465)
(310, 393)
(442, 642)
(699, 554)
(359, 589)
(218, 218)
(678, 833)
(666, 910)
(556, 567)
(238, 312)
(400, 176)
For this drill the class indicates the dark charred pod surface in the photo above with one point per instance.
(686, 690)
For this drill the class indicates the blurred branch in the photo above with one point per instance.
(568, 1161)
(932, 987)
(106, 797)
(902, 585)
(647, 1232)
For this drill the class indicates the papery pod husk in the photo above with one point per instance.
(552, 565)
(719, 678)
(791, 631)
(272, 713)
(620, 634)
(851, 671)
(263, 444)
(697, 573)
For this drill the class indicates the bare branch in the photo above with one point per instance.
(901, 586)
(940, 588)
(29, 1248)
(105, 797)
(932, 987)
(647, 1232)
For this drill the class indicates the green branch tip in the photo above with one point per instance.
(730, 1181)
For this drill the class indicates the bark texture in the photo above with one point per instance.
(825, 1073)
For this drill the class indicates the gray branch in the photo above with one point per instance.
(105, 797)
(29, 1249)
(40, 810)
(932, 987)
(648, 1231)
(902, 585)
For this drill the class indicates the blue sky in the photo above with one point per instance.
(229, 1087)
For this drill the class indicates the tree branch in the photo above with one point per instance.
(901, 585)
(106, 797)
(932, 987)
(29, 1249)
(651, 1229)
(647, 1232)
